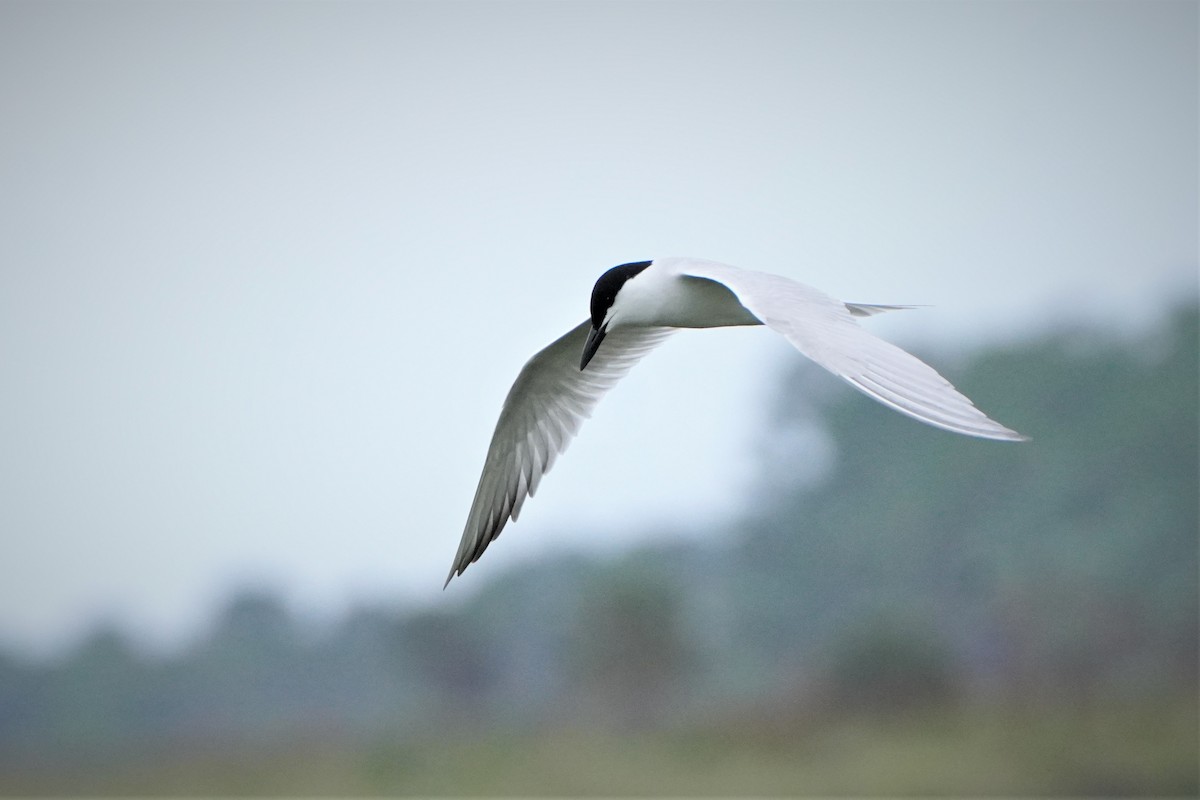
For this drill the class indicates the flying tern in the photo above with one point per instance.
(636, 306)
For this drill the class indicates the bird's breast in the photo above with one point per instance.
(683, 301)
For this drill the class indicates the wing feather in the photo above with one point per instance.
(542, 413)
(824, 329)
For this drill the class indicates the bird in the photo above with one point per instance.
(634, 308)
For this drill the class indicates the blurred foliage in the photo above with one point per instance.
(631, 650)
(899, 610)
(888, 667)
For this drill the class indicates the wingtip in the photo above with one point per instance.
(1009, 435)
(1001, 434)
(453, 572)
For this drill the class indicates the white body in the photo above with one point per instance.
(659, 297)
(552, 395)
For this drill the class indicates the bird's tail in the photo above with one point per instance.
(870, 309)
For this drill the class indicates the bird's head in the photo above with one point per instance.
(605, 296)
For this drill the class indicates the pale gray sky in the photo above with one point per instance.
(268, 269)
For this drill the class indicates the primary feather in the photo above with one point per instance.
(824, 329)
(542, 413)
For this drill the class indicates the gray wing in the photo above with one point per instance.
(542, 413)
(824, 329)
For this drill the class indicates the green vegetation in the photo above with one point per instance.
(1135, 749)
(918, 613)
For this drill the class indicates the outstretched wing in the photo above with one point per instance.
(542, 413)
(824, 329)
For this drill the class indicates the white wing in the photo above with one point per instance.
(824, 329)
(543, 411)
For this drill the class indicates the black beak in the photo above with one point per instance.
(595, 337)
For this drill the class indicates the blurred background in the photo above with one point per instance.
(267, 271)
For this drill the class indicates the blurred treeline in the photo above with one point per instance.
(898, 610)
